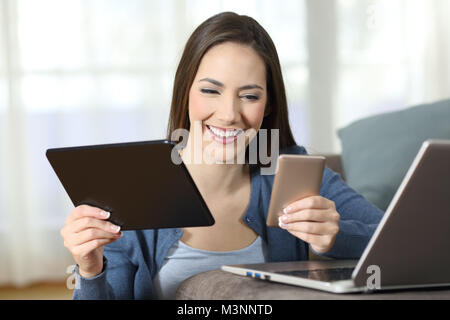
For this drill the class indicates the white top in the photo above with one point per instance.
(183, 261)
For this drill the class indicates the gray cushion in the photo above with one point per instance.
(377, 151)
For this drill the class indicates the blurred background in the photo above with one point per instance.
(77, 72)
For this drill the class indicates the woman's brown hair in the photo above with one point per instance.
(231, 27)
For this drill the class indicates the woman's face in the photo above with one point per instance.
(227, 100)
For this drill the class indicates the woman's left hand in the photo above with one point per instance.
(314, 220)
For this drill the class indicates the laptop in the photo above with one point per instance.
(409, 249)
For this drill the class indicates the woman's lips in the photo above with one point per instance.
(219, 134)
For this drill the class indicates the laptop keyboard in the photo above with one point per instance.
(327, 275)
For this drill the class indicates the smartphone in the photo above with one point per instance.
(296, 177)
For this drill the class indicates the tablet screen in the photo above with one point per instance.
(137, 182)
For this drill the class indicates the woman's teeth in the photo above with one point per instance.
(225, 134)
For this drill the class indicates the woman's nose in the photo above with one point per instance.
(228, 112)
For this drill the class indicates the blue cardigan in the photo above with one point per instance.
(131, 262)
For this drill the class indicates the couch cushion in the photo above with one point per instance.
(377, 151)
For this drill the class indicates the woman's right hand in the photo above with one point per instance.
(85, 234)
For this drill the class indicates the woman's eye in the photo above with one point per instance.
(250, 97)
(209, 91)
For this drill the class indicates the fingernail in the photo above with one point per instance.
(286, 210)
(284, 218)
(115, 228)
(105, 214)
(281, 224)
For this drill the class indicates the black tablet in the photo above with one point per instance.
(138, 182)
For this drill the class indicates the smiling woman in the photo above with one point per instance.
(228, 82)
(75, 72)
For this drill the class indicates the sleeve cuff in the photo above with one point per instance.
(95, 287)
(76, 271)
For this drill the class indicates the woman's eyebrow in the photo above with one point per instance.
(250, 86)
(214, 82)
(220, 84)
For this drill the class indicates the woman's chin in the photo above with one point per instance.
(219, 153)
